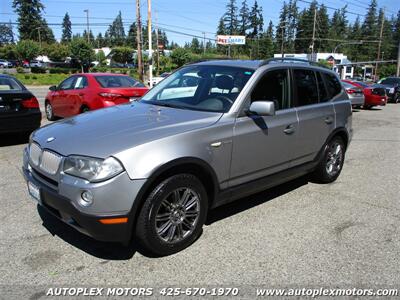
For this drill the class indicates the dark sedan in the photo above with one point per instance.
(19, 108)
(392, 85)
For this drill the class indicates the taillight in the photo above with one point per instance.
(350, 91)
(30, 103)
(110, 95)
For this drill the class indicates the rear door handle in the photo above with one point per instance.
(289, 129)
(328, 120)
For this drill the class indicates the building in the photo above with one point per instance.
(332, 58)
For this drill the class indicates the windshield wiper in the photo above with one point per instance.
(159, 103)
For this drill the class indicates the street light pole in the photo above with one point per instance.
(150, 43)
(87, 24)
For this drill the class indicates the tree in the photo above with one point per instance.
(122, 55)
(195, 46)
(244, 21)
(6, 34)
(230, 18)
(82, 51)
(8, 51)
(30, 21)
(305, 28)
(116, 31)
(338, 27)
(101, 58)
(66, 29)
(322, 28)
(56, 51)
(266, 43)
(256, 20)
(369, 30)
(27, 49)
(281, 29)
(180, 56)
(131, 38)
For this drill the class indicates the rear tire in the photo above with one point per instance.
(172, 216)
(84, 109)
(49, 111)
(330, 167)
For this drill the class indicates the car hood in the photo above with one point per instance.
(106, 132)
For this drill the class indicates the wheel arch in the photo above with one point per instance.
(195, 166)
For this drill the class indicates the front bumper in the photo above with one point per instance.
(60, 199)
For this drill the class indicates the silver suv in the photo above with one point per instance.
(210, 133)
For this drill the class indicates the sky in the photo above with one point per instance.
(191, 17)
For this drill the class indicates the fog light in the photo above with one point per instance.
(86, 198)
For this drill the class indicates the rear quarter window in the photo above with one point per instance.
(9, 84)
(332, 84)
(117, 82)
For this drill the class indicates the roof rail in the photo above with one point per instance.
(290, 59)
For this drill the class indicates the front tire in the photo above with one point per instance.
(330, 167)
(49, 112)
(172, 216)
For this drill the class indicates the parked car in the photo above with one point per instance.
(36, 64)
(19, 108)
(355, 93)
(83, 92)
(5, 64)
(375, 94)
(154, 168)
(14, 63)
(392, 85)
(157, 79)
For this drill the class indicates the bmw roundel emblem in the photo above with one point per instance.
(50, 139)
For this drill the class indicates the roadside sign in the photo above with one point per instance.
(231, 39)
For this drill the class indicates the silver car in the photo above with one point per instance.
(356, 94)
(151, 170)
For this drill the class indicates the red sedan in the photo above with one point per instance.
(375, 95)
(83, 92)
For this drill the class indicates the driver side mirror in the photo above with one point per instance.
(53, 88)
(262, 108)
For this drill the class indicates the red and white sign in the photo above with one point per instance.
(231, 40)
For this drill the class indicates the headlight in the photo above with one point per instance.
(92, 169)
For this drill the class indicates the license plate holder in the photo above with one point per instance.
(34, 191)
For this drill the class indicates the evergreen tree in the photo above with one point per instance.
(6, 34)
(370, 31)
(305, 28)
(221, 30)
(291, 23)
(116, 31)
(395, 33)
(195, 46)
(266, 43)
(230, 18)
(281, 29)
(355, 33)
(244, 21)
(66, 29)
(131, 38)
(322, 28)
(338, 27)
(256, 20)
(30, 21)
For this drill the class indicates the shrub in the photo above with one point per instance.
(20, 70)
(61, 70)
(27, 76)
(37, 70)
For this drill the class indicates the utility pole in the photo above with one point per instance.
(313, 34)
(283, 40)
(158, 50)
(150, 43)
(379, 44)
(398, 62)
(139, 40)
(87, 24)
(40, 40)
(204, 43)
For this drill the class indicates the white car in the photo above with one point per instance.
(157, 79)
(5, 64)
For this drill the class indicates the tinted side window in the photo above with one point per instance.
(67, 84)
(333, 85)
(273, 86)
(323, 94)
(306, 86)
(81, 82)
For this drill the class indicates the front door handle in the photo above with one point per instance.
(289, 129)
(328, 120)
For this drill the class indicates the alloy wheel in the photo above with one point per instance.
(334, 159)
(178, 214)
(49, 111)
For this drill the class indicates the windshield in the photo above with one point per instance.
(207, 88)
(110, 81)
(9, 84)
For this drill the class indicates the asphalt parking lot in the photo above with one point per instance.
(299, 234)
